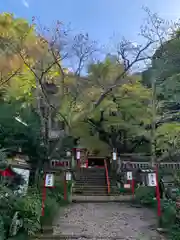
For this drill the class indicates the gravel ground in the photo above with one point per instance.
(106, 221)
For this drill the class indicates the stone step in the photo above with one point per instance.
(91, 194)
(92, 169)
(90, 177)
(91, 180)
(71, 237)
(91, 173)
(83, 191)
(98, 198)
(80, 182)
(89, 186)
(90, 190)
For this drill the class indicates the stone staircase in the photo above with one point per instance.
(90, 182)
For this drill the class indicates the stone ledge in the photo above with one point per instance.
(78, 198)
(58, 237)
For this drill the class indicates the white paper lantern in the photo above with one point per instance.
(114, 156)
(68, 176)
(78, 154)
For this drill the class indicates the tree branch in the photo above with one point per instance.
(121, 76)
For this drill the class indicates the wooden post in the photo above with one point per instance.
(133, 186)
(158, 194)
(43, 197)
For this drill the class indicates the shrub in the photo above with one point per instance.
(28, 207)
(54, 200)
(145, 195)
(57, 193)
(2, 229)
(168, 215)
(174, 232)
(50, 210)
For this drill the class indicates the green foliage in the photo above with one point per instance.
(174, 232)
(3, 159)
(50, 211)
(168, 138)
(164, 72)
(125, 110)
(168, 214)
(54, 200)
(177, 178)
(2, 230)
(29, 208)
(145, 195)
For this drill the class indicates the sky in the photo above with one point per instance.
(100, 18)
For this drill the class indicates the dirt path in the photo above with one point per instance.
(106, 221)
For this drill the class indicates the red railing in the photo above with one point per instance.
(107, 176)
(86, 163)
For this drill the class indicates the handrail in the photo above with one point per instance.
(107, 176)
(86, 163)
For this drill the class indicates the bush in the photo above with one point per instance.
(56, 193)
(2, 229)
(28, 208)
(50, 210)
(145, 195)
(174, 232)
(54, 200)
(168, 216)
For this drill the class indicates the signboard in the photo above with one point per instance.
(114, 156)
(127, 186)
(68, 176)
(60, 164)
(25, 173)
(152, 179)
(129, 176)
(49, 180)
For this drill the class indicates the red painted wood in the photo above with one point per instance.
(133, 186)
(86, 163)
(65, 187)
(43, 197)
(107, 176)
(7, 173)
(158, 194)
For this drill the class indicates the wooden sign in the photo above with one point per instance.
(127, 186)
(60, 164)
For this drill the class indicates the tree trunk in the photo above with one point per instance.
(153, 123)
